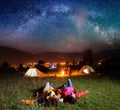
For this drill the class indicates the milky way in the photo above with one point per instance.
(60, 25)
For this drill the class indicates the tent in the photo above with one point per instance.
(34, 72)
(86, 70)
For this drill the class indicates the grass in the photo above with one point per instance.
(104, 93)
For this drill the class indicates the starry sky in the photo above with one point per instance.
(60, 25)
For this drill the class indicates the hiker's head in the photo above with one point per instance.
(71, 99)
(53, 101)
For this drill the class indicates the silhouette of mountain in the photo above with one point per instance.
(14, 56)
(60, 56)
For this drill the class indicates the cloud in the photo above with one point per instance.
(74, 43)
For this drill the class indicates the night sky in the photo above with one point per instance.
(60, 25)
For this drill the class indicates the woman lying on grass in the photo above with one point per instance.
(69, 93)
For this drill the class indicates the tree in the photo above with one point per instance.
(21, 68)
(6, 68)
(73, 62)
(5, 64)
(88, 57)
(41, 62)
(41, 66)
(67, 64)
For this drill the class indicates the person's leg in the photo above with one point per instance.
(47, 86)
(70, 83)
(64, 86)
(81, 93)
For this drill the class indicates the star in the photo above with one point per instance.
(60, 25)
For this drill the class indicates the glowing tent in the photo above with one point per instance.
(86, 70)
(34, 72)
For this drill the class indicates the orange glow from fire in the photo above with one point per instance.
(63, 73)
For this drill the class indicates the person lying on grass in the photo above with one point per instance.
(48, 96)
(44, 96)
(69, 93)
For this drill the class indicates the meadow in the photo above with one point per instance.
(104, 94)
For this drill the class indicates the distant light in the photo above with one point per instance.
(63, 63)
(53, 67)
(85, 70)
(99, 63)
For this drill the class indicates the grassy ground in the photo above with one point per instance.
(104, 93)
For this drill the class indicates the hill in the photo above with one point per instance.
(60, 56)
(14, 56)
